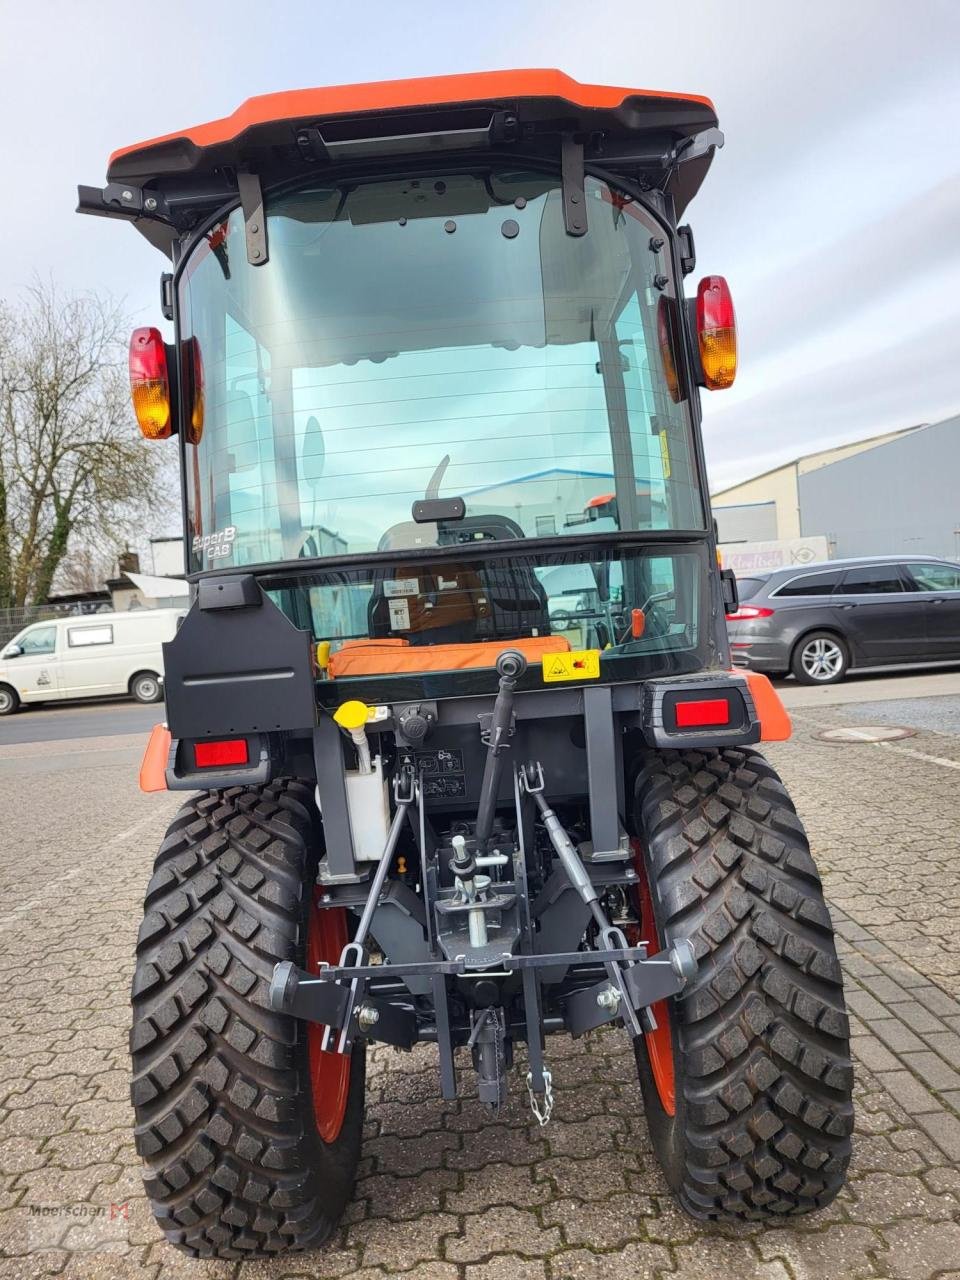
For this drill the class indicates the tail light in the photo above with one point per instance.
(716, 333)
(748, 611)
(702, 714)
(150, 384)
(227, 751)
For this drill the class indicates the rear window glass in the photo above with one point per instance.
(747, 588)
(936, 577)
(876, 579)
(810, 584)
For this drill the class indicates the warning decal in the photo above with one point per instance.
(579, 664)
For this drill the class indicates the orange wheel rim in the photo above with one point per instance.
(659, 1043)
(329, 1072)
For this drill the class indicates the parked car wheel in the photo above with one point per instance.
(9, 700)
(145, 687)
(820, 658)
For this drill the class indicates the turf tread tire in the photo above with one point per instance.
(764, 1077)
(221, 1089)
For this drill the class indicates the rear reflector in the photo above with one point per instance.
(209, 754)
(696, 714)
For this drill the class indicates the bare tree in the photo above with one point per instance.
(85, 567)
(72, 463)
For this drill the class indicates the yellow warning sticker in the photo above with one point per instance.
(665, 455)
(579, 664)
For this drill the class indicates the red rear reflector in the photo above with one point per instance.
(747, 611)
(208, 754)
(695, 714)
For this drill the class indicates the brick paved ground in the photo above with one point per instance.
(443, 1195)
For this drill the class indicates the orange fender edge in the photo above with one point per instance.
(153, 767)
(775, 725)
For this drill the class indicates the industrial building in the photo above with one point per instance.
(895, 492)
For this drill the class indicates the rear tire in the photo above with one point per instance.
(760, 1050)
(146, 687)
(9, 700)
(820, 658)
(227, 1120)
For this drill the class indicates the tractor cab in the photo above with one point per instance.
(407, 363)
(456, 665)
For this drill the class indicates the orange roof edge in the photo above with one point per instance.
(388, 95)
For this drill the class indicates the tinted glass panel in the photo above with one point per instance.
(878, 579)
(936, 577)
(747, 588)
(414, 339)
(810, 584)
(588, 600)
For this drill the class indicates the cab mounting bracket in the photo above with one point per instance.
(571, 178)
(254, 222)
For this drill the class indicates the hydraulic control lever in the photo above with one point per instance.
(510, 667)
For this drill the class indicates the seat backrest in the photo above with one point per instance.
(468, 601)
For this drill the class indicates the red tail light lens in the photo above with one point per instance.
(230, 751)
(716, 333)
(711, 711)
(748, 611)
(150, 384)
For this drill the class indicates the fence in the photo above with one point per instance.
(14, 620)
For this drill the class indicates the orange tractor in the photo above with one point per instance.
(468, 763)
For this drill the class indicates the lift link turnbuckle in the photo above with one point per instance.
(631, 987)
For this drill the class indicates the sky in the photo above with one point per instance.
(833, 209)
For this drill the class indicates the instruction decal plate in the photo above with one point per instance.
(579, 664)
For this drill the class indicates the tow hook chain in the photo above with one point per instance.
(544, 1112)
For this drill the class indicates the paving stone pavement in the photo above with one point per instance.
(443, 1194)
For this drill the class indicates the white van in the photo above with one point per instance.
(91, 656)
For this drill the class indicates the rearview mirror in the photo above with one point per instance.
(11, 651)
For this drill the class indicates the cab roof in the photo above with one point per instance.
(168, 185)
(535, 96)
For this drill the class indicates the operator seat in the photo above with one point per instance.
(464, 600)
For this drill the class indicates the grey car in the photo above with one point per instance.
(820, 620)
